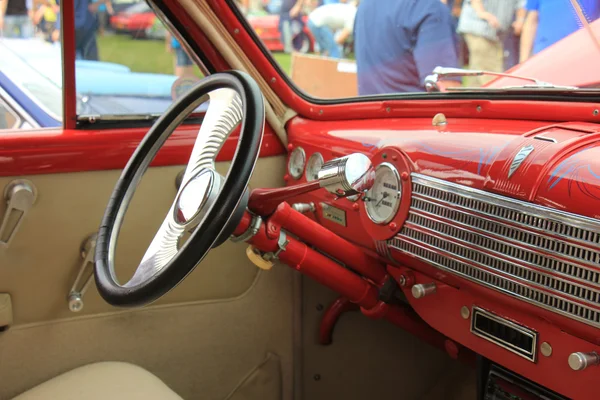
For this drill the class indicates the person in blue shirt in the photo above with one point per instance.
(398, 43)
(549, 21)
(86, 24)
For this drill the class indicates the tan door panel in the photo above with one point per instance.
(42, 262)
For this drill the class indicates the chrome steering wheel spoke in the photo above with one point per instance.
(199, 187)
(208, 206)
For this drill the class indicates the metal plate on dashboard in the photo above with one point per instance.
(334, 214)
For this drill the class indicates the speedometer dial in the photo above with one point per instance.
(383, 199)
(297, 162)
(315, 162)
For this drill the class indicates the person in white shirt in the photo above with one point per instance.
(328, 19)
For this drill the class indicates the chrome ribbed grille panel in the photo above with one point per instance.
(546, 257)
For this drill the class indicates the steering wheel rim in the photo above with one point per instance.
(217, 218)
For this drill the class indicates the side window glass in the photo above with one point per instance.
(8, 117)
(30, 64)
(128, 64)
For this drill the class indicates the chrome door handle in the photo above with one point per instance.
(83, 280)
(20, 195)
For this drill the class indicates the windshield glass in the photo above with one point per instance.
(347, 48)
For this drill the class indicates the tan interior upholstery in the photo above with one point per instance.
(102, 381)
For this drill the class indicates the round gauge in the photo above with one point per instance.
(297, 162)
(383, 199)
(315, 162)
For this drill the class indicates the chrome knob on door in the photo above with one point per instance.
(580, 361)
(423, 289)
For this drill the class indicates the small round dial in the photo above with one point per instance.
(383, 199)
(315, 162)
(297, 162)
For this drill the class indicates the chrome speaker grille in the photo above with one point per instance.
(543, 256)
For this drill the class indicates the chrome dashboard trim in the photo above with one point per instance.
(530, 355)
(508, 245)
(551, 218)
(523, 239)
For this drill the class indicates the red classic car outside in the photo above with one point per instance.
(572, 61)
(139, 21)
(267, 29)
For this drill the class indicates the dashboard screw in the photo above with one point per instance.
(320, 112)
(388, 110)
(404, 176)
(355, 206)
(465, 312)
(384, 156)
(317, 377)
(319, 307)
(478, 108)
(596, 112)
(236, 31)
(273, 80)
(546, 349)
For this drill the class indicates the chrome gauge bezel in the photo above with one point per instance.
(289, 166)
(396, 206)
(312, 159)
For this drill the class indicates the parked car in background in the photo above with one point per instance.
(139, 21)
(31, 82)
(267, 29)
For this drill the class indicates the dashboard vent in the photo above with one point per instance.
(512, 337)
(543, 256)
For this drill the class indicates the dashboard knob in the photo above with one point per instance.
(423, 289)
(347, 176)
(580, 361)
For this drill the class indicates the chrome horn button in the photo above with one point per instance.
(195, 197)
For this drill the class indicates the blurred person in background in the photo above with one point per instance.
(103, 12)
(183, 64)
(331, 25)
(549, 21)
(398, 43)
(86, 25)
(512, 41)
(46, 18)
(290, 21)
(16, 18)
(484, 25)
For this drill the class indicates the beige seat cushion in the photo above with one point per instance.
(102, 381)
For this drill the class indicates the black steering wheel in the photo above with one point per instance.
(207, 204)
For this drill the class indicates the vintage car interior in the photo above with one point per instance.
(440, 245)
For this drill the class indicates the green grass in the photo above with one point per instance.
(138, 54)
(150, 55)
(284, 60)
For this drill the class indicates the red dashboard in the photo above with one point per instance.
(497, 218)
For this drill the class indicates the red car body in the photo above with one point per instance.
(267, 29)
(135, 20)
(573, 61)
